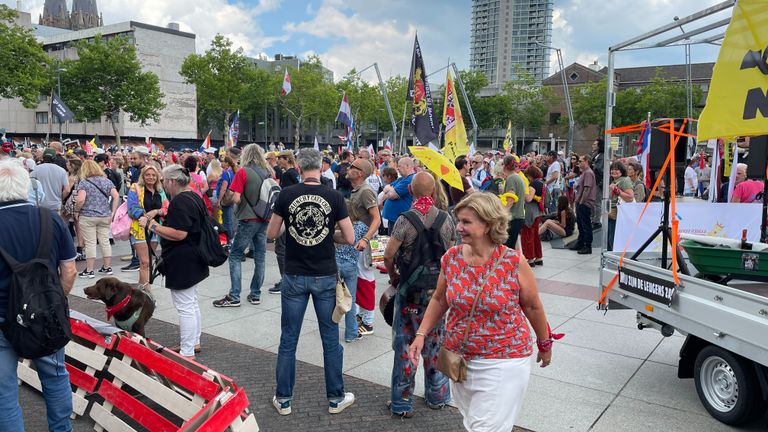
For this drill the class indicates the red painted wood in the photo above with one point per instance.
(224, 416)
(169, 369)
(81, 379)
(136, 410)
(201, 412)
(82, 330)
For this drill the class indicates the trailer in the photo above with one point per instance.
(726, 330)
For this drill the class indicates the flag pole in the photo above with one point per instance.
(402, 128)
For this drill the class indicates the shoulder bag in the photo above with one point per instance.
(453, 364)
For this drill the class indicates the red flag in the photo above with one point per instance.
(207, 142)
(286, 84)
(702, 161)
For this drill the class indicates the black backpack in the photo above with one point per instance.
(37, 320)
(211, 250)
(420, 273)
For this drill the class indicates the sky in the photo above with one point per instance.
(350, 34)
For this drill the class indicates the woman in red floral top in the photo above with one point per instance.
(499, 341)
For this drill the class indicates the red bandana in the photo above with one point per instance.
(118, 307)
(423, 204)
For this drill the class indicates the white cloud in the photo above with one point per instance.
(204, 18)
(360, 41)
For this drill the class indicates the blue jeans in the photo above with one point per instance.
(406, 320)
(56, 390)
(294, 295)
(348, 272)
(254, 234)
(226, 220)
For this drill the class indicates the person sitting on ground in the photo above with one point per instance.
(565, 222)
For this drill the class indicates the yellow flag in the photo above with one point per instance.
(455, 133)
(93, 143)
(737, 103)
(508, 137)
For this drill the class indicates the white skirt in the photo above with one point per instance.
(492, 395)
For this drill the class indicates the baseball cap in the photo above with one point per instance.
(327, 160)
(81, 152)
(49, 153)
(364, 166)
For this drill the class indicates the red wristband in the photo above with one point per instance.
(544, 345)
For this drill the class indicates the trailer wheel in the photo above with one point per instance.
(727, 386)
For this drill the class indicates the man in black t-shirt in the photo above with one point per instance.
(310, 212)
(343, 184)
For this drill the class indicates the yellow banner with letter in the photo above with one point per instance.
(737, 103)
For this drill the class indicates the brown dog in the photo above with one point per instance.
(126, 302)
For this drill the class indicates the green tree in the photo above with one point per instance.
(25, 74)
(666, 98)
(527, 101)
(107, 79)
(588, 103)
(224, 80)
(312, 97)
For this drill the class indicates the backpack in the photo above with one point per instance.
(420, 274)
(268, 193)
(37, 320)
(121, 224)
(210, 247)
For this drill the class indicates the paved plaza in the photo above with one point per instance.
(605, 375)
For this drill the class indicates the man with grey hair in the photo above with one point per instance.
(251, 230)
(21, 233)
(311, 212)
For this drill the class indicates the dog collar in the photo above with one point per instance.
(118, 307)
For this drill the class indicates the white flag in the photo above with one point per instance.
(370, 150)
(317, 145)
(471, 150)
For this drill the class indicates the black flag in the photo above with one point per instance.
(423, 114)
(61, 110)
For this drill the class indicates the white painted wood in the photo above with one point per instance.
(28, 375)
(152, 389)
(247, 425)
(79, 405)
(105, 420)
(86, 355)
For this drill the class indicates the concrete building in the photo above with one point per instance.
(160, 50)
(503, 35)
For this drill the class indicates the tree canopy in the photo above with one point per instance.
(107, 79)
(26, 74)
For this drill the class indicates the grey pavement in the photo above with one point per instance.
(605, 375)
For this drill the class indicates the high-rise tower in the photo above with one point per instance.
(503, 38)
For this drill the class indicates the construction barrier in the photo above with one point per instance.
(136, 384)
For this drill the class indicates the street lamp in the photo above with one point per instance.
(59, 70)
(569, 144)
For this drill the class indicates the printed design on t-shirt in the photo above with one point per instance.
(308, 219)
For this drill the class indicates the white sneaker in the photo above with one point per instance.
(283, 408)
(337, 407)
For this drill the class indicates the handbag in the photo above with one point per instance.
(453, 364)
(387, 304)
(343, 300)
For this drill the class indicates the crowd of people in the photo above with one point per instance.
(481, 244)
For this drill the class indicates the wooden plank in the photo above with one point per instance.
(85, 355)
(194, 423)
(136, 410)
(224, 416)
(248, 425)
(79, 404)
(107, 420)
(81, 379)
(82, 330)
(28, 376)
(154, 390)
(169, 368)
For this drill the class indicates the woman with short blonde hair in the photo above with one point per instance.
(493, 335)
(95, 214)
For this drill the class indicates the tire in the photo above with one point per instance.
(727, 386)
